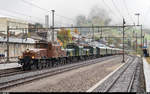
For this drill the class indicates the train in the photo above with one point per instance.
(48, 54)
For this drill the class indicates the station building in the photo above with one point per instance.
(12, 23)
(16, 46)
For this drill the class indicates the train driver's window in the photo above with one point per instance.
(41, 45)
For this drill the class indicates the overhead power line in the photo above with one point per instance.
(64, 17)
(29, 3)
(12, 16)
(128, 11)
(19, 13)
(108, 7)
(117, 9)
(34, 5)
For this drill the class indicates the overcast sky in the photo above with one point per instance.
(67, 10)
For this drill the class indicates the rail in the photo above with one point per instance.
(129, 88)
(34, 75)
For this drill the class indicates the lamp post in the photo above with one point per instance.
(137, 14)
(53, 25)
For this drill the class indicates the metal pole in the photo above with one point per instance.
(123, 39)
(7, 44)
(141, 40)
(141, 36)
(137, 14)
(78, 36)
(146, 42)
(101, 32)
(136, 43)
(138, 19)
(133, 40)
(53, 25)
(93, 32)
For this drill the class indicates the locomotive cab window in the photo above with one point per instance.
(41, 45)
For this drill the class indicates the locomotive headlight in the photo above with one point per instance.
(33, 57)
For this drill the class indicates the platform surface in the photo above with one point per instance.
(146, 68)
(9, 66)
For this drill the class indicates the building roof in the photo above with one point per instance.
(14, 20)
(17, 40)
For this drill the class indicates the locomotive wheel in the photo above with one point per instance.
(55, 64)
(64, 61)
(49, 62)
(59, 63)
(44, 64)
(40, 65)
(47, 65)
(24, 68)
(33, 67)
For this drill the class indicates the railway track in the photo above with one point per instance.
(130, 84)
(8, 72)
(19, 79)
(15, 71)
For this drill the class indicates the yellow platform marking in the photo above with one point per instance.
(148, 59)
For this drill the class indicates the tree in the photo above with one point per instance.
(76, 31)
(65, 36)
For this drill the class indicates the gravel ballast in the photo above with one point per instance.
(39, 72)
(77, 80)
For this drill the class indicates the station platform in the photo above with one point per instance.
(146, 67)
(9, 66)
